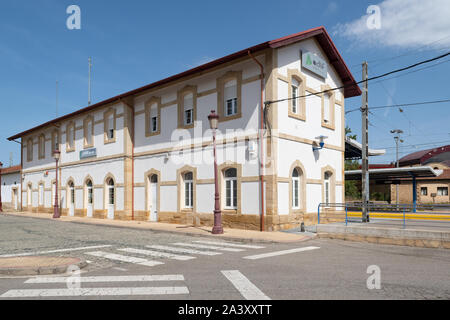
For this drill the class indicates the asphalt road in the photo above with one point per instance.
(326, 269)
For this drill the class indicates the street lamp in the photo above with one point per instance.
(397, 139)
(56, 213)
(217, 229)
(1, 207)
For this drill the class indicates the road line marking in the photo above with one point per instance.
(120, 269)
(228, 244)
(201, 246)
(280, 253)
(182, 250)
(119, 257)
(52, 251)
(135, 291)
(175, 277)
(248, 290)
(158, 254)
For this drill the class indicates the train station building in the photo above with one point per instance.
(147, 154)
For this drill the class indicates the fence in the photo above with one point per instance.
(417, 215)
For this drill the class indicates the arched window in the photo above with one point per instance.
(89, 192)
(294, 92)
(231, 188)
(110, 186)
(296, 189)
(188, 190)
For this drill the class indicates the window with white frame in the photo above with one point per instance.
(41, 146)
(295, 93)
(188, 190)
(70, 133)
(326, 107)
(41, 194)
(424, 191)
(55, 141)
(230, 98)
(188, 105)
(231, 188)
(88, 132)
(110, 130)
(442, 191)
(30, 150)
(154, 118)
(295, 189)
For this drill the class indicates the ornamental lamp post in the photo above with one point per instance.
(1, 207)
(217, 229)
(56, 212)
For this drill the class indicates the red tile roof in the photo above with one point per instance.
(320, 34)
(421, 157)
(9, 170)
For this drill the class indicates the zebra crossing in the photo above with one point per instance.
(179, 251)
(100, 291)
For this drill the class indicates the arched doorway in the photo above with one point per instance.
(152, 197)
(110, 198)
(89, 199)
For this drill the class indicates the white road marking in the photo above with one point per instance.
(158, 254)
(248, 290)
(118, 257)
(120, 269)
(136, 291)
(175, 277)
(228, 244)
(280, 253)
(52, 251)
(201, 246)
(182, 250)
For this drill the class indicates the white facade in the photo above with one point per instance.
(11, 190)
(156, 165)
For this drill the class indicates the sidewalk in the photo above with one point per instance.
(31, 266)
(229, 234)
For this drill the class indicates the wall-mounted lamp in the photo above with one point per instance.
(321, 143)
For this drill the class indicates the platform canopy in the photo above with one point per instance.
(353, 150)
(387, 174)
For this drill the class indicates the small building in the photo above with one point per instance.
(432, 190)
(11, 187)
(147, 154)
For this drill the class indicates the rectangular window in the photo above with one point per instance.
(231, 194)
(154, 124)
(111, 126)
(424, 191)
(295, 190)
(90, 195)
(89, 133)
(188, 116)
(442, 191)
(294, 98)
(327, 192)
(230, 97)
(188, 195)
(111, 195)
(326, 107)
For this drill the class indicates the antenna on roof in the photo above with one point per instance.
(89, 84)
(56, 98)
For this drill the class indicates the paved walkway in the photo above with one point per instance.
(229, 234)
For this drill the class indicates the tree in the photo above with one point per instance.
(351, 187)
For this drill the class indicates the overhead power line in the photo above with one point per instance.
(401, 105)
(362, 81)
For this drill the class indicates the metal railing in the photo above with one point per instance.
(426, 214)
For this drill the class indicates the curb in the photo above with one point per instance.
(224, 237)
(39, 270)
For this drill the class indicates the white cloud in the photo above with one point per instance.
(404, 24)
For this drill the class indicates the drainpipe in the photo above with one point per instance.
(261, 141)
(132, 158)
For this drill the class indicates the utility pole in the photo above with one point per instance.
(89, 84)
(397, 139)
(365, 145)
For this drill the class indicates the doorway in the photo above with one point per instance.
(153, 198)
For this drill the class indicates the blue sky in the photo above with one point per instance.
(136, 42)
